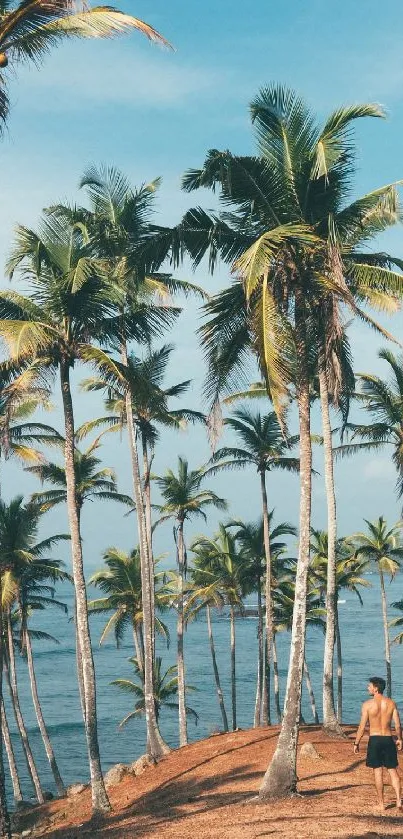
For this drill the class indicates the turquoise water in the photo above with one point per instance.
(55, 666)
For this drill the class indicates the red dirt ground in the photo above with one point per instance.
(203, 791)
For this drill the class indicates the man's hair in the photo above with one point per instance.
(378, 682)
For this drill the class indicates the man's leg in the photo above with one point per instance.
(395, 781)
(378, 776)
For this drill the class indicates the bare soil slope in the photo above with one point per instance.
(203, 791)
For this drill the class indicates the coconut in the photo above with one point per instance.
(3, 59)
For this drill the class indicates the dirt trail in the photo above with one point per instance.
(203, 791)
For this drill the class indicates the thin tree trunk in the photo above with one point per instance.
(100, 800)
(281, 777)
(264, 716)
(276, 681)
(39, 715)
(183, 737)
(268, 595)
(386, 635)
(233, 668)
(257, 720)
(139, 647)
(310, 693)
(5, 825)
(156, 747)
(79, 666)
(12, 673)
(17, 792)
(149, 530)
(215, 669)
(330, 721)
(339, 672)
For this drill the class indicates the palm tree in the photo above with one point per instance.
(349, 570)
(70, 302)
(207, 594)
(25, 584)
(120, 583)
(225, 561)
(29, 31)
(383, 399)
(92, 482)
(250, 538)
(384, 547)
(263, 447)
(166, 688)
(184, 498)
(285, 217)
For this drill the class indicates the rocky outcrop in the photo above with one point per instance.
(143, 763)
(308, 750)
(75, 789)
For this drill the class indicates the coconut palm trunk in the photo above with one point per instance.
(280, 779)
(386, 634)
(268, 597)
(311, 694)
(233, 668)
(39, 715)
(155, 744)
(339, 671)
(276, 681)
(215, 669)
(5, 825)
(261, 670)
(15, 780)
(11, 675)
(139, 647)
(149, 530)
(330, 721)
(100, 801)
(183, 737)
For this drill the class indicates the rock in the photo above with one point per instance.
(25, 833)
(75, 789)
(309, 750)
(140, 765)
(48, 796)
(116, 774)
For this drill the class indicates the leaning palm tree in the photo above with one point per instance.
(250, 538)
(261, 445)
(166, 690)
(184, 498)
(292, 241)
(384, 547)
(383, 400)
(224, 559)
(120, 583)
(69, 304)
(28, 31)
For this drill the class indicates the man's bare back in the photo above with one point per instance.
(381, 713)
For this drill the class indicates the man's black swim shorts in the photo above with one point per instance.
(382, 752)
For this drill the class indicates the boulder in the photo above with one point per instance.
(140, 765)
(308, 750)
(116, 774)
(75, 789)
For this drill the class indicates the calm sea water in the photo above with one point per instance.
(362, 637)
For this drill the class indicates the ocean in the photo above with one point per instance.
(362, 638)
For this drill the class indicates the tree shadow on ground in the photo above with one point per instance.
(164, 804)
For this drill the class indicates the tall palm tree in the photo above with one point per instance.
(262, 446)
(224, 559)
(166, 689)
(285, 215)
(349, 571)
(384, 547)
(184, 498)
(250, 538)
(120, 583)
(29, 31)
(69, 304)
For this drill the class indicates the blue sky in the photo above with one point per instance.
(152, 112)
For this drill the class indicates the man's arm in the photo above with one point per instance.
(361, 727)
(398, 727)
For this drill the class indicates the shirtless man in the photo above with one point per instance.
(379, 712)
